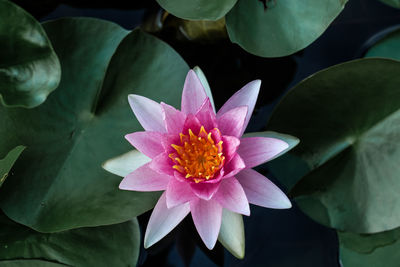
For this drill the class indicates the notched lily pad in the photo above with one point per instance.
(276, 28)
(348, 120)
(113, 245)
(29, 67)
(370, 250)
(59, 183)
(197, 9)
(8, 161)
(368, 243)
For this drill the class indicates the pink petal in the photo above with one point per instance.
(174, 119)
(163, 220)
(261, 191)
(191, 123)
(232, 197)
(204, 190)
(235, 165)
(257, 150)
(146, 142)
(230, 145)
(247, 96)
(169, 139)
(207, 219)
(193, 94)
(231, 122)
(178, 192)
(206, 116)
(148, 113)
(144, 179)
(162, 164)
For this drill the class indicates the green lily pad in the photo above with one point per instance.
(367, 243)
(29, 67)
(348, 120)
(197, 9)
(8, 161)
(383, 249)
(29, 263)
(59, 183)
(113, 245)
(283, 28)
(393, 3)
(387, 47)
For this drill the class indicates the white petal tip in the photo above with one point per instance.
(257, 82)
(284, 204)
(210, 246)
(148, 244)
(132, 96)
(123, 186)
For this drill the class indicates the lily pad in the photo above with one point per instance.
(281, 28)
(59, 183)
(388, 46)
(29, 263)
(367, 243)
(113, 245)
(197, 9)
(392, 3)
(8, 161)
(348, 120)
(29, 68)
(381, 255)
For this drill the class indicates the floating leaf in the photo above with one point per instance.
(113, 245)
(367, 243)
(283, 28)
(197, 9)
(29, 263)
(393, 3)
(8, 161)
(383, 249)
(59, 183)
(29, 68)
(388, 46)
(348, 120)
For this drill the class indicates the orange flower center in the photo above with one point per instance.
(198, 157)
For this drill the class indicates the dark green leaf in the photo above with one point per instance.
(380, 249)
(59, 183)
(29, 263)
(367, 243)
(197, 9)
(8, 161)
(283, 28)
(348, 120)
(29, 68)
(393, 3)
(113, 245)
(388, 47)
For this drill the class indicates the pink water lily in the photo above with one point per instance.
(201, 161)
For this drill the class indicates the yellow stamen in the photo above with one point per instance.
(198, 156)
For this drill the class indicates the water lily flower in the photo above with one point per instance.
(201, 161)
